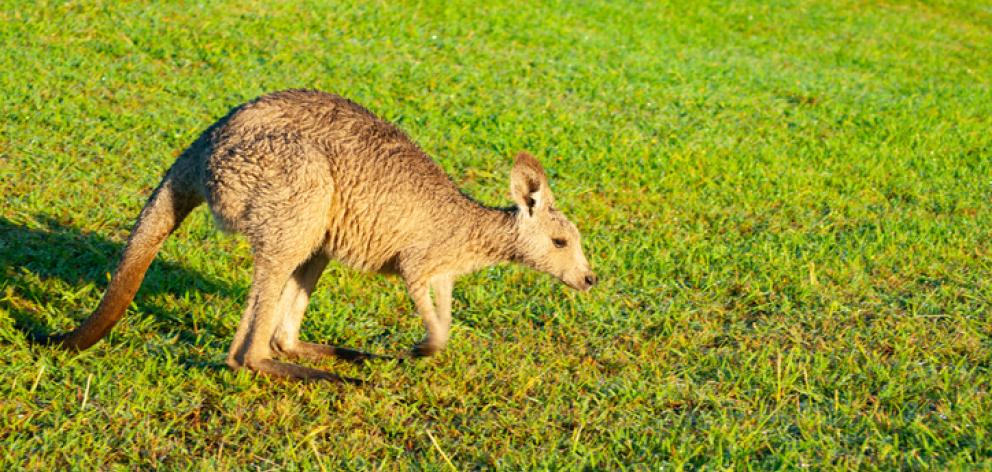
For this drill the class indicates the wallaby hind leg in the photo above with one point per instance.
(252, 346)
(293, 305)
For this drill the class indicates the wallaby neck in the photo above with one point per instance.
(490, 235)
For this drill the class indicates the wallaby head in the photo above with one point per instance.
(546, 240)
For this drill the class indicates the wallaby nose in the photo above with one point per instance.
(591, 280)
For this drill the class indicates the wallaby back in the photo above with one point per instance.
(322, 164)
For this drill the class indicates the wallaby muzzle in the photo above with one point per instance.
(582, 282)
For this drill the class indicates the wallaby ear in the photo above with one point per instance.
(529, 186)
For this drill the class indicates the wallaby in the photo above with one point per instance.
(308, 177)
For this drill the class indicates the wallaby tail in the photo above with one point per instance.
(168, 205)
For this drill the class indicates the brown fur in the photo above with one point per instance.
(308, 177)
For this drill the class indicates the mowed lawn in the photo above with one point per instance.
(789, 205)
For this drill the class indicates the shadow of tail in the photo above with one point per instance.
(50, 250)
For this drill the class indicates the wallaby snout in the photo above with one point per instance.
(589, 280)
(582, 280)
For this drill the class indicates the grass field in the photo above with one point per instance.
(789, 205)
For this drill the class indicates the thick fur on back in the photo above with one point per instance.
(350, 183)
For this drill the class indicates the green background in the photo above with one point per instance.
(788, 204)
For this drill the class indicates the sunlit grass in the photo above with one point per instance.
(788, 205)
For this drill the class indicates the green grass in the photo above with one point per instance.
(788, 204)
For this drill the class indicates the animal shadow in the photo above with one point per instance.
(61, 252)
(56, 251)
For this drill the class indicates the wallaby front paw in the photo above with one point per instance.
(425, 349)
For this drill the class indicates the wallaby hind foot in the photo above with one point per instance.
(315, 351)
(287, 371)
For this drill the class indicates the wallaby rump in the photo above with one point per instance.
(308, 177)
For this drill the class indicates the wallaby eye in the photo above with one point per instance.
(559, 242)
